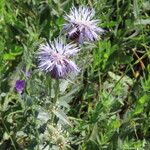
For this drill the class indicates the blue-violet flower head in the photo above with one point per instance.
(81, 25)
(54, 58)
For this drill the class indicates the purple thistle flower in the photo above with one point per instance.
(54, 58)
(81, 25)
(20, 85)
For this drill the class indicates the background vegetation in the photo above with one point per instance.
(107, 106)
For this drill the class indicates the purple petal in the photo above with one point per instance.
(20, 85)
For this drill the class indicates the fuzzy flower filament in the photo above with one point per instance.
(81, 26)
(54, 58)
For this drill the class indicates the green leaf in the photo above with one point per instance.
(62, 116)
(143, 22)
(9, 56)
(124, 79)
(94, 134)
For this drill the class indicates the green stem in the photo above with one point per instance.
(118, 81)
(49, 85)
(34, 120)
(8, 134)
(36, 129)
(56, 89)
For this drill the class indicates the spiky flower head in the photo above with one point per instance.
(54, 58)
(81, 24)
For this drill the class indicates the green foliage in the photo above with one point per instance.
(105, 107)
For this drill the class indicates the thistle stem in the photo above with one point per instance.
(56, 89)
(49, 85)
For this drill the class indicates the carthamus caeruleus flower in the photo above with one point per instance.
(20, 85)
(81, 25)
(54, 58)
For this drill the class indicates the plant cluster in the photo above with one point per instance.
(66, 83)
